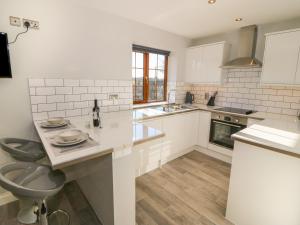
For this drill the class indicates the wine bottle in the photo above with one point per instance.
(96, 116)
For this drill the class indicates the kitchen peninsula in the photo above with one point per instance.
(105, 170)
(264, 182)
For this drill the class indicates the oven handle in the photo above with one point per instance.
(227, 124)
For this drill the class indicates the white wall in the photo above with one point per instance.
(72, 42)
(232, 37)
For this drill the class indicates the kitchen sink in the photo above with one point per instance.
(171, 107)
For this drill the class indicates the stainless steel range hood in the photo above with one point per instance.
(246, 50)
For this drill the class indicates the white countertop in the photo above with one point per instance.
(282, 135)
(118, 134)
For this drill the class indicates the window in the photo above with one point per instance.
(149, 74)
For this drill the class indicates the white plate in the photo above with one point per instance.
(57, 141)
(48, 125)
(56, 120)
(70, 135)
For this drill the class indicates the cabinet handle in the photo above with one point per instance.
(227, 124)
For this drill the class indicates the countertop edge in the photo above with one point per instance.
(141, 141)
(238, 137)
(197, 108)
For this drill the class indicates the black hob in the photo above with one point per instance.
(235, 110)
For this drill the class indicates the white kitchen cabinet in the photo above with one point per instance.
(181, 132)
(204, 128)
(203, 63)
(281, 58)
(148, 154)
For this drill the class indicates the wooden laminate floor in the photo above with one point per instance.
(190, 190)
(69, 199)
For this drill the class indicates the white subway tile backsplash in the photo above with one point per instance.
(292, 99)
(100, 83)
(80, 90)
(241, 88)
(46, 107)
(86, 83)
(45, 91)
(74, 112)
(71, 83)
(65, 106)
(31, 91)
(80, 105)
(54, 82)
(64, 90)
(87, 97)
(101, 96)
(56, 114)
(38, 99)
(94, 90)
(275, 98)
(74, 97)
(55, 98)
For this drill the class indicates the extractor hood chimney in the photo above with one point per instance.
(246, 49)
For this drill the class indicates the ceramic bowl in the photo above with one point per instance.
(55, 120)
(70, 135)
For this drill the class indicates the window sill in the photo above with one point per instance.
(137, 106)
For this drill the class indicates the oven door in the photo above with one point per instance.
(221, 131)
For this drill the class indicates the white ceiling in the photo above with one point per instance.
(197, 18)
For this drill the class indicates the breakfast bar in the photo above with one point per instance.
(103, 165)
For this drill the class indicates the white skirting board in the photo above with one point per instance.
(214, 154)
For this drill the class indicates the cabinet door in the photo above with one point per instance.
(212, 59)
(193, 64)
(181, 132)
(204, 128)
(280, 58)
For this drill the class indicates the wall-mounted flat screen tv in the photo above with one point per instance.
(5, 68)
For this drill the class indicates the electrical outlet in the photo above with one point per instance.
(15, 21)
(33, 24)
(114, 97)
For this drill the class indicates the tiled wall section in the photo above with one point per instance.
(241, 89)
(71, 97)
(178, 91)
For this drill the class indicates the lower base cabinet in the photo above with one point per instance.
(181, 134)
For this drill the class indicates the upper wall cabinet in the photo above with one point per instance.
(203, 63)
(281, 58)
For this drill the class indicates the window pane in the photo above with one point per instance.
(139, 95)
(160, 74)
(152, 74)
(152, 61)
(139, 73)
(161, 62)
(133, 59)
(133, 73)
(139, 60)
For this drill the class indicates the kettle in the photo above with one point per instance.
(189, 98)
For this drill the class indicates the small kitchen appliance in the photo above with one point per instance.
(189, 98)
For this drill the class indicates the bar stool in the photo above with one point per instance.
(31, 182)
(31, 209)
(23, 150)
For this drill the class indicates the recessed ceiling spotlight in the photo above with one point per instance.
(211, 1)
(238, 19)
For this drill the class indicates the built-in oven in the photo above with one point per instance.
(223, 126)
